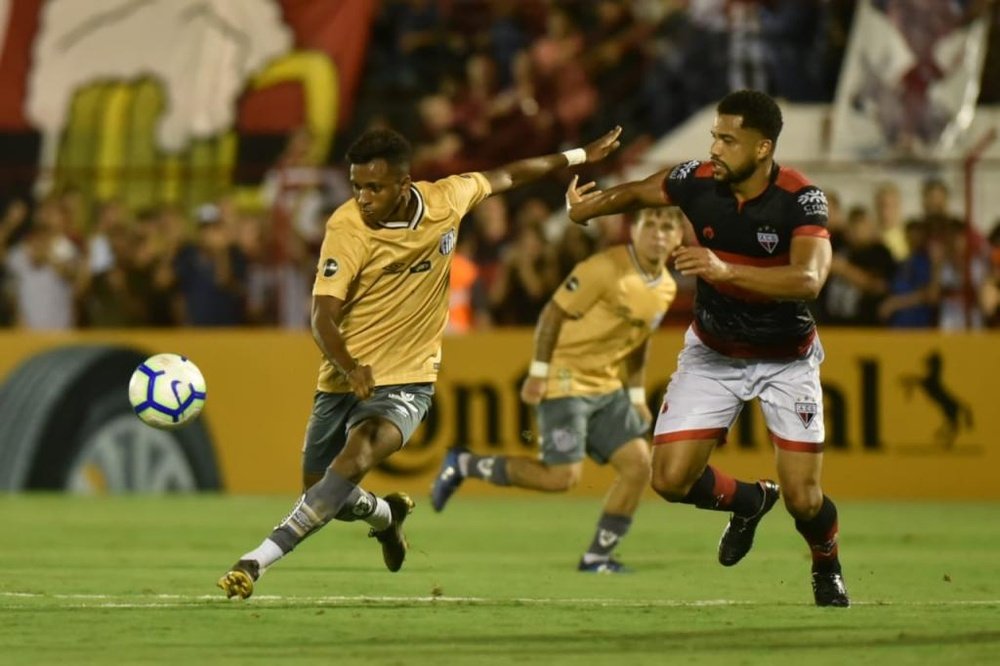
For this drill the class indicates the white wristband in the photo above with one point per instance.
(637, 396)
(575, 156)
(538, 369)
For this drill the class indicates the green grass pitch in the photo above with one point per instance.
(131, 580)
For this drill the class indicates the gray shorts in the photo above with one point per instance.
(334, 414)
(588, 425)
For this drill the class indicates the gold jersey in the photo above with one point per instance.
(615, 307)
(394, 282)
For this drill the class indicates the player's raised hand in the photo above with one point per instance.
(576, 193)
(533, 390)
(601, 148)
(701, 262)
(362, 381)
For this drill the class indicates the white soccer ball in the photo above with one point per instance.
(167, 391)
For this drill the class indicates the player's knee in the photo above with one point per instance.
(636, 469)
(563, 477)
(381, 434)
(672, 483)
(802, 501)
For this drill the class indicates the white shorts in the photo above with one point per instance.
(708, 390)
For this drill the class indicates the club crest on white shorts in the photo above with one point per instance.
(806, 410)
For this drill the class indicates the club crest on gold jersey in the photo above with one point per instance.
(447, 243)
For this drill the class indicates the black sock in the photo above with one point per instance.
(487, 468)
(716, 491)
(821, 532)
(611, 529)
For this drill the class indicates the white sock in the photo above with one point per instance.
(381, 517)
(590, 558)
(266, 554)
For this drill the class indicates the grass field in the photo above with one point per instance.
(131, 581)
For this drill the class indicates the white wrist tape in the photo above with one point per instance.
(538, 369)
(637, 396)
(575, 156)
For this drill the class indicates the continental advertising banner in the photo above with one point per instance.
(908, 415)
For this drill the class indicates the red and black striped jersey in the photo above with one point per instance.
(757, 232)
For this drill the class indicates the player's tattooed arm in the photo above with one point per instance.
(546, 336)
(524, 171)
(583, 205)
(326, 314)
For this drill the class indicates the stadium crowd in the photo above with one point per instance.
(476, 83)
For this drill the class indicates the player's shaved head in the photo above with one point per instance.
(384, 144)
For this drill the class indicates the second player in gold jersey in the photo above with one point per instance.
(587, 380)
(611, 305)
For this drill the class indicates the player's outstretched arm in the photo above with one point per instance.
(546, 335)
(326, 332)
(524, 171)
(625, 198)
(635, 379)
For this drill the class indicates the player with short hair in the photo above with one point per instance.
(593, 333)
(380, 306)
(762, 251)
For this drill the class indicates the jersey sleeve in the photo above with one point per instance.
(340, 260)
(810, 213)
(680, 182)
(585, 285)
(465, 190)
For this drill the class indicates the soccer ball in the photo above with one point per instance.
(167, 391)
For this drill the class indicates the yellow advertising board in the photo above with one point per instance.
(908, 415)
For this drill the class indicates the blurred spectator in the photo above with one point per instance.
(121, 295)
(935, 204)
(556, 57)
(292, 191)
(859, 275)
(506, 37)
(524, 281)
(914, 290)
(210, 274)
(888, 206)
(687, 69)
(12, 221)
(959, 297)
(989, 293)
(792, 33)
(44, 268)
(78, 222)
(746, 46)
(615, 62)
(110, 214)
(155, 247)
(491, 226)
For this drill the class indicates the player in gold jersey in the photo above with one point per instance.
(587, 379)
(379, 312)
